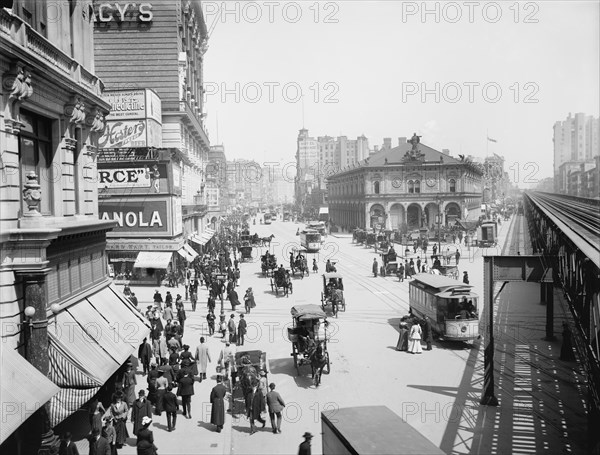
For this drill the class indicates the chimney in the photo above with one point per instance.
(387, 142)
(401, 141)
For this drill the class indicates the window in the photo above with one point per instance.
(411, 186)
(452, 184)
(35, 145)
(417, 186)
(376, 187)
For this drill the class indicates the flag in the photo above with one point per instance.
(492, 140)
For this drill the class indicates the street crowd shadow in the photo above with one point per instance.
(282, 366)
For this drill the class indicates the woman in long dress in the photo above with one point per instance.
(97, 411)
(118, 410)
(414, 343)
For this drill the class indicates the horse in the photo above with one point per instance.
(318, 360)
(266, 241)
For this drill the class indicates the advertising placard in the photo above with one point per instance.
(131, 133)
(135, 178)
(136, 104)
(177, 217)
(138, 216)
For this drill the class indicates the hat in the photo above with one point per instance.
(465, 271)
(146, 420)
(307, 435)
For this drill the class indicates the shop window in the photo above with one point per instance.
(35, 154)
(376, 187)
(452, 183)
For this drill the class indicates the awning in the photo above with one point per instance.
(23, 390)
(88, 342)
(185, 255)
(190, 251)
(204, 237)
(153, 259)
(197, 239)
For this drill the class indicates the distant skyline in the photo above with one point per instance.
(382, 69)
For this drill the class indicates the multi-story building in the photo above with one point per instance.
(577, 138)
(405, 188)
(54, 281)
(217, 193)
(176, 33)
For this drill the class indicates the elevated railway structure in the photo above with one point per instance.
(565, 232)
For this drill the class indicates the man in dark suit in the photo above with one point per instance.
(141, 408)
(171, 407)
(242, 327)
(98, 444)
(185, 391)
(217, 396)
(276, 405)
(145, 354)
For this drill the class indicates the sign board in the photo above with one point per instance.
(139, 104)
(131, 133)
(178, 219)
(133, 178)
(138, 215)
(114, 245)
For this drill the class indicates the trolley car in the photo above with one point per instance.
(487, 234)
(311, 240)
(450, 305)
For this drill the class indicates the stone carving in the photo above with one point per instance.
(32, 195)
(18, 86)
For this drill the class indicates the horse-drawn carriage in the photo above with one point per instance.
(281, 280)
(300, 263)
(250, 365)
(381, 242)
(308, 336)
(245, 250)
(370, 239)
(389, 261)
(333, 293)
(268, 264)
(359, 236)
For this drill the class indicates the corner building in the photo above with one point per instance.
(54, 283)
(405, 189)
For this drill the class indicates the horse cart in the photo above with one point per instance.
(250, 365)
(451, 271)
(245, 250)
(308, 336)
(300, 263)
(359, 236)
(389, 261)
(332, 295)
(281, 280)
(268, 264)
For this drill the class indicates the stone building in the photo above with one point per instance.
(57, 303)
(404, 188)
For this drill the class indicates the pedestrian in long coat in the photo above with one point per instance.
(217, 399)
(118, 410)
(427, 333)
(402, 344)
(145, 355)
(414, 344)
(457, 256)
(259, 403)
(249, 302)
(140, 409)
(203, 358)
(129, 383)
(375, 267)
(232, 329)
(234, 299)
(145, 439)
(160, 349)
(465, 278)
(241, 330)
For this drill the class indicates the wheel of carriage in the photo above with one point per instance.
(344, 305)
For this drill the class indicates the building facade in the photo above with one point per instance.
(160, 45)
(404, 188)
(52, 243)
(577, 138)
(217, 193)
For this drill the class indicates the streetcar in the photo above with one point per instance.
(318, 226)
(450, 305)
(487, 234)
(267, 218)
(310, 239)
(286, 216)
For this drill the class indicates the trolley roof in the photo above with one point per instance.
(309, 311)
(332, 275)
(443, 283)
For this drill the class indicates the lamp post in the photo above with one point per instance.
(439, 223)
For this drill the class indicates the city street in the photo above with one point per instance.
(366, 369)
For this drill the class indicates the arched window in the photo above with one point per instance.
(411, 186)
(376, 187)
(452, 184)
(417, 186)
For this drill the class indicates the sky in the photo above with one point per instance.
(454, 72)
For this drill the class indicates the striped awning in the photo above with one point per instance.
(23, 390)
(88, 342)
(204, 237)
(190, 251)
